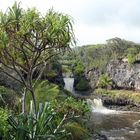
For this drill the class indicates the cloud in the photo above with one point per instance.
(95, 20)
(99, 34)
(101, 12)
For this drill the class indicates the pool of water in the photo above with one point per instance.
(116, 126)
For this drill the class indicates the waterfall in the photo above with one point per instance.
(69, 84)
(97, 106)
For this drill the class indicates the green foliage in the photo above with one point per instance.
(51, 74)
(8, 98)
(29, 40)
(80, 82)
(132, 55)
(45, 91)
(4, 126)
(26, 127)
(49, 124)
(104, 81)
(82, 85)
(93, 56)
(125, 95)
(131, 58)
(60, 106)
(98, 56)
(78, 68)
(65, 69)
(71, 105)
(56, 64)
(76, 130)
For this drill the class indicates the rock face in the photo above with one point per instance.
(124, 75)
(93, 75)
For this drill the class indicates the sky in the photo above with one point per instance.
(95, 21)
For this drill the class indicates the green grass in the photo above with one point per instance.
(120, 94)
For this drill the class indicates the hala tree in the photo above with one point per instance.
(29, 40)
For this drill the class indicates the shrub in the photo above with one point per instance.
(104, 81)
(45, 91)
(71, 105)
(4, 126)
(79, 68)
(131, 58)
(49, 124)
(45, 126)
(131, 55)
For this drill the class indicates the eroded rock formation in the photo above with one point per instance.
(123, 74)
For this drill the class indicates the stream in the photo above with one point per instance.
(115, 125)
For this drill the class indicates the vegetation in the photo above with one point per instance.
(80, 82)
(49, 124)
(98, 56)
(78, 68)
(104, 81)
(9, 98)
(125, 95)
(4, 126)
(28, 40)
(36, 106)
(82, 85)
(132, 55)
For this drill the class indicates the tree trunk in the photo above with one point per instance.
(24, 101)
(34, 101)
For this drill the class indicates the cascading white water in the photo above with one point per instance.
(69, 84)
(113, 124)
(97, 106)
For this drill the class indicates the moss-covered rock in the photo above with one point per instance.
(82, 85)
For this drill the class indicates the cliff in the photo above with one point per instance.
(123, 74)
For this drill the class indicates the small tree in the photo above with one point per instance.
(28, 40)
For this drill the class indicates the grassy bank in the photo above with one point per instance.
(123, 95)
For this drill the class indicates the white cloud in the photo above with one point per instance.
(95, 20)
(89, 34)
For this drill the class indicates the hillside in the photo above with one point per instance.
(90, 62)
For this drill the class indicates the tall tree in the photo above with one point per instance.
(29, 39)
